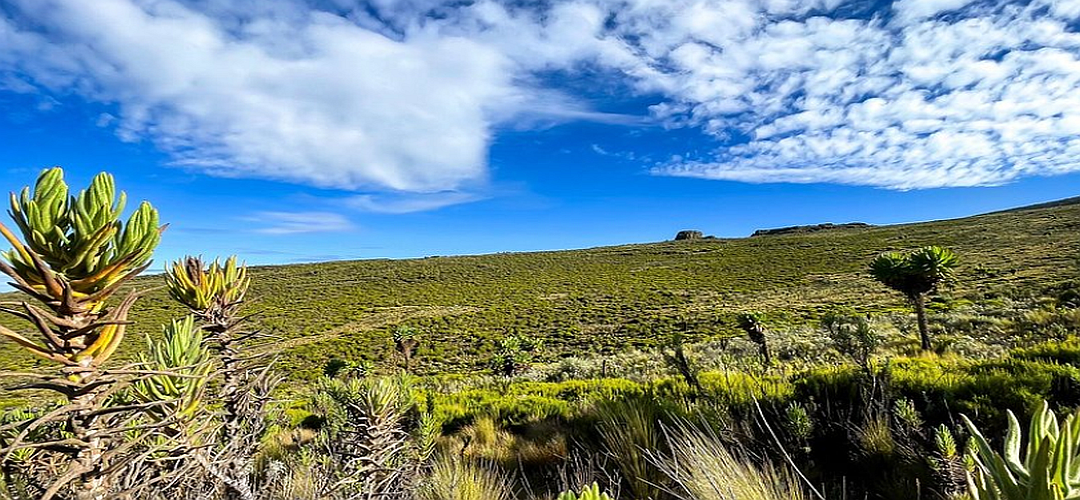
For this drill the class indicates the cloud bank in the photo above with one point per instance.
(405, 96)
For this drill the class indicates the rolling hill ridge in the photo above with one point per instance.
(605, 299)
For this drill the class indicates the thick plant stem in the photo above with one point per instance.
(919, 301)
(90, 458)
(231, 367)
(230, 389)
(232, 373)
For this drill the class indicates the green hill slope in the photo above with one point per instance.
(606, 299)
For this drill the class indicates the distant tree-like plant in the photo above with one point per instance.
(678, 360)
(752, 324)
(916, 274)
(406, 341)
(513, 354)
(74, 255)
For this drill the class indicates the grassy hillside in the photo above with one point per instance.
(602, 300)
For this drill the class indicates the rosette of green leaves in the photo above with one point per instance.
(591, 492)
(1047, 468)
(202, 288)
(182, 365)
(77, 245)
(915, 273)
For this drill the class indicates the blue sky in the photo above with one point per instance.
(304, 131)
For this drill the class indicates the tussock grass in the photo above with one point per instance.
(454, 478)
(702, 468)
(629, 431)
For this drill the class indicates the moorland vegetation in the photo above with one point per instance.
(892, 362)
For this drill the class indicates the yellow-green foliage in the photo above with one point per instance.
(183, 364)
(703, 469)
(457, 479)
(875, 437)
(81, 238)
(199, 287)
(523, 402)
(616, 298)
(77, 252)
(538, 444)
(1059, 352)
(740, 389)
(591, 492)
(977, 387)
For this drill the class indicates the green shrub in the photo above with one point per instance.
(853, 336)
(740, 390)
(513, 354)
(1055, 352)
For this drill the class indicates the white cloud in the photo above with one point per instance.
(285, 223)
(981, 98)
(288, 94)
(405, 96)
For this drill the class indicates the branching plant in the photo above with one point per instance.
(853, 336)
(406, 342)
(214, 294)
(364, 446)
(513, 354)
(74, 254)
(677, 359)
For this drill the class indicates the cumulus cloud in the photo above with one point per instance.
(293, 94)
(286, 223)
(405, 96)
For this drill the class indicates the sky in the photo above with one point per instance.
(298, 131)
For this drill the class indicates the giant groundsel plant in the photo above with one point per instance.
(916, 274)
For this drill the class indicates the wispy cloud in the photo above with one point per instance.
(403, 203)
(285, 223)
